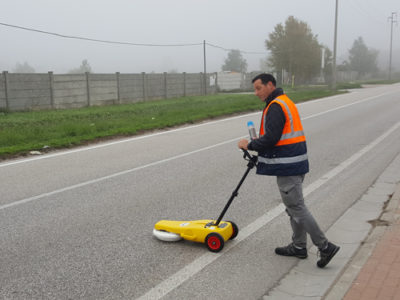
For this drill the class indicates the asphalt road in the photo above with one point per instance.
(78, 224)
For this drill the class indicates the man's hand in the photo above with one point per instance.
(243, 144)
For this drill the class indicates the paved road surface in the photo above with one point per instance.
(77, 224)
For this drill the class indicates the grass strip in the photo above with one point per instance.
(21, 132)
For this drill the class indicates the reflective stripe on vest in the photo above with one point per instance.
(292, 130)
(283, 160)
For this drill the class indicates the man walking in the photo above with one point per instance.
(282, 152)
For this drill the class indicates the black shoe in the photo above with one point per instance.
(327, 254)
(291, 250)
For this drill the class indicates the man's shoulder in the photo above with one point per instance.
(274, 106)
(275, 111)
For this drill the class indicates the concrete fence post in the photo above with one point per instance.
(201, 83)
(118, 88)
(184, 84)
(216, 82)
(165, 85)
(205, 83)
(51, 81)
(88, 87)
(6, 89)
(144, 86)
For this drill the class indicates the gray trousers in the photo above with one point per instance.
(301, 220)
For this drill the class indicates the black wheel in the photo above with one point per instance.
(235, 230)
(215, 242)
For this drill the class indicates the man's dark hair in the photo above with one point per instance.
(265, 78)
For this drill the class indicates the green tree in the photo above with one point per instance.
(362, 59)
(84, 67)
(328, 64)
(23, 68)
(295, 49)
(235, 62)
(264, 65)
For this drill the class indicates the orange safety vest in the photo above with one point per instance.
(289, 155)
(293, 130)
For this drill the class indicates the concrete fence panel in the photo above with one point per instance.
(194, 84)
(20, 92)
(70, 91)
(228, 81)
(28, 91)
(61, 91)
(175, 85)
(103, 89)
(346, 76)
(131, 88)
(155, 86)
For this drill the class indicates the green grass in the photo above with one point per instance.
(349, 85)
(383, 81)
(21, 132)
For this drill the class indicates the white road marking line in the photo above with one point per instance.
(200, 263)
(346, 105)
(103, 145)
(176, 130)
(27, 200)
(68, 188)
(175, 280)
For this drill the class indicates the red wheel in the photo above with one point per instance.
(214, 242)
(235, 230)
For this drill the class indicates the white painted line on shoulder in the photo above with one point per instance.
(23, 201)
(93, 181)
(127, 140)
(102, 145)
(172, 282)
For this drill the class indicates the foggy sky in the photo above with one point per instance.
(233, 24)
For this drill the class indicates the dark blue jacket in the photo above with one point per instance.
(269, 153)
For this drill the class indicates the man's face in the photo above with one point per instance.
(261, 90)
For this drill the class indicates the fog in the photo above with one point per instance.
(233, 24)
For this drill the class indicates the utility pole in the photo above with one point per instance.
(334, 49)
(392, 19)
(205, 69)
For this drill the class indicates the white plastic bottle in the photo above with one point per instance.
(252, 130)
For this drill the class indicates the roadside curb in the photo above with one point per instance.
(389, 215)
(357, 236)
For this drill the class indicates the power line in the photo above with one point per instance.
(226, 49)
(98, 40)
(122, 43)
(362, 8)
